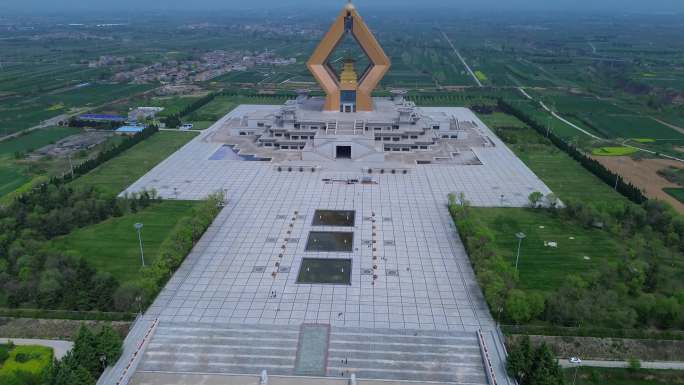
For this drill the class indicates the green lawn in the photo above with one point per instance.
(223, 104)
(30, 360)
(500, 119)
(563, 175)
(544, 267)
(120, 172)
(618, 376)
(113, 246)
(201, 124)
(215, 109)
(613, 151)
(677, 193)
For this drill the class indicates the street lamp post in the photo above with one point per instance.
(138, 227)
(520, 237)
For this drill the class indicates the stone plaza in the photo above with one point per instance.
(235, 307)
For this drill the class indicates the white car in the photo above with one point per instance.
(575, 360)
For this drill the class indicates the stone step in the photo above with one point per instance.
(226, 341)
(190, 326)
(441, 349)
(423, 340)
(424, 366)
(215, 367)
(223, 358)
(460, 377)
(201, 349)
(408, 356)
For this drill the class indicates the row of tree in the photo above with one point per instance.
(34, 274)
(74, 121)
(533, 365)
(106, 155)
(642, 289)
(175, 120)
(91, 354)
(625, 188)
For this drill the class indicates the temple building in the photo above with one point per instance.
(348, 123)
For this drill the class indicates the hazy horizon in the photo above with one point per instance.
(574, 6)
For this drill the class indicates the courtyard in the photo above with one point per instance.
(409, 273)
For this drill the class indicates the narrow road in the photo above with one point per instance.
(672, 126)
(673, 365)
(462, 60)
(59, 348)
(593, 47)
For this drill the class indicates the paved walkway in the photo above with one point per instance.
(59, 348)
(676, 365)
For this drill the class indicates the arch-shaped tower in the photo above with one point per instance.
(348, 96)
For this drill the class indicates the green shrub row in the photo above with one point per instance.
(588, 331)
(172, 252)
(66, 314)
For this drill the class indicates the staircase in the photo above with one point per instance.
(345, 128)
(211, 348)
(291, 350)
(331, 127)
(442, 356)
(359, 126)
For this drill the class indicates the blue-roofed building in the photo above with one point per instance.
(129, 130)
(102, 118)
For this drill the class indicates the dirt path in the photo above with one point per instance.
(672, 126)
(644, 174)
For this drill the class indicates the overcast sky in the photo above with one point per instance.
(617, 6)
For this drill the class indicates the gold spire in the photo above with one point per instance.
(348, 77)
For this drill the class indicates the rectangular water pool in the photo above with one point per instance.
(325, 271)
(334, 218)
(330, 241)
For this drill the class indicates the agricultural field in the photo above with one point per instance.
(553, 248)
(19, 113)
(13, 173)
(11, 179)
(35, 140)
(23, 364)
(113, 246)
(223, 104)
(118, 173)
(677, 193)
